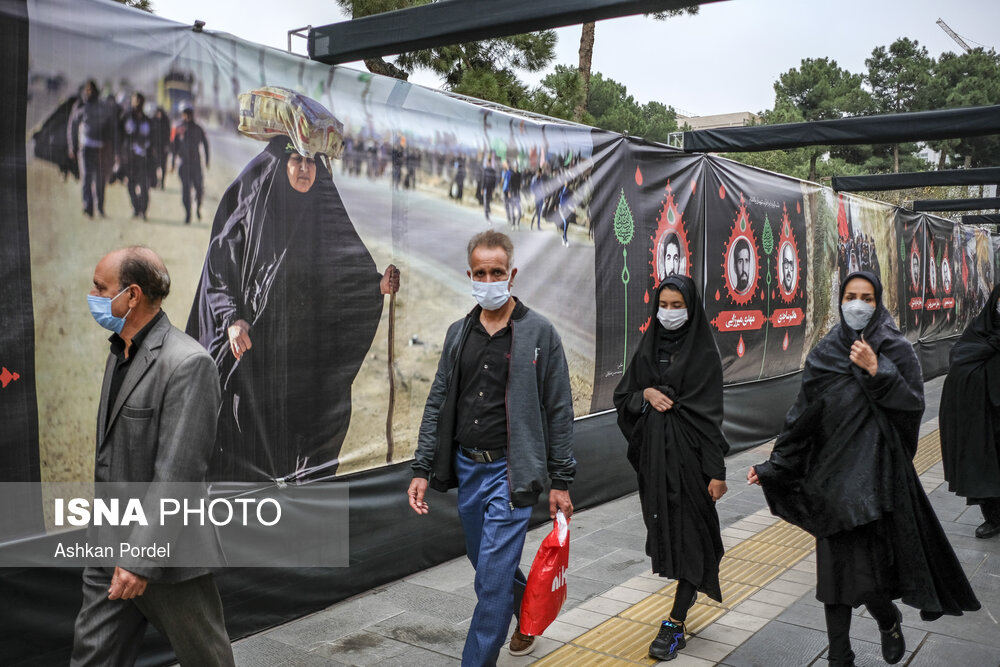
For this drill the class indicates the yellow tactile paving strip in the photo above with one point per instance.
(745, 569)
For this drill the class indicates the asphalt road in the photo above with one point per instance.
(557, 281)
(432, 231)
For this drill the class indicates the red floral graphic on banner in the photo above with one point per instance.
(931, 267)
(740, 262)
(946, 274)
(787, 265)
(671, 252)
(915, 266)
(6, 377)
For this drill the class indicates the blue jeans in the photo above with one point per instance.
(494, 538)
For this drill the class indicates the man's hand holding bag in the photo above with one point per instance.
(545, 592)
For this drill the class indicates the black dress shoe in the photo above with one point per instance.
(987, 529)
(893, 644)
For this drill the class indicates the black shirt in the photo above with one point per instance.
(122, 362)
(481, 419)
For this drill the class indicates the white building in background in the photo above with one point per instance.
(735, 119)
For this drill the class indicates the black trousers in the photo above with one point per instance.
(683, 599)
(188, 614)
(990, 508)
(838, 625)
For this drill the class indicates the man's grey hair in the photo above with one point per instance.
(141, 266)
(492, 239)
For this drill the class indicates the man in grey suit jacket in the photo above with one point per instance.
(156, 423)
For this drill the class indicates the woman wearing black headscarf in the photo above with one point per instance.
(842, 470)
(669, 405)
(288, 305)
(970, 416)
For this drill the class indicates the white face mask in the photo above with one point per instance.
(491, 296)
(672, 318)
(857, 313)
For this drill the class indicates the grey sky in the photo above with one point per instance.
(724, 59)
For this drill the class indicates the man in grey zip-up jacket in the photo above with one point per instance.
(498, 423)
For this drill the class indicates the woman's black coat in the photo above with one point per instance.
(970, 408)
(842, 470)
(675, 453)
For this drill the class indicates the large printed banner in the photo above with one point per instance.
(649, 218)
(121, 141)
(122, 129)
(135, 142)
(757, 271)
(911, 229)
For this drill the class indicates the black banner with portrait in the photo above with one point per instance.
(940, 314)
(911, 231)
(647, 226)
(756, 266)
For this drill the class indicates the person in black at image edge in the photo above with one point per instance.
(969, 416)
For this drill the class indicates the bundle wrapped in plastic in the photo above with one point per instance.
(271, 110)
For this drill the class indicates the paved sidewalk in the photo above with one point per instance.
(769, 615)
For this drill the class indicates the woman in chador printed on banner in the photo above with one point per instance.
(669, 405)
(842, 469)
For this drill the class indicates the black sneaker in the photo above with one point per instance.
(893, 644)
(987, 529)
(668, 642)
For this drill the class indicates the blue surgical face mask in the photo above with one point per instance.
(857, 313)
(100, 308)
(491, 296)
(672, 318)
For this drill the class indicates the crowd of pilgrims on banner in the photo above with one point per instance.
(841, 468)
(857, 253)
(538, 190)
(106, 137)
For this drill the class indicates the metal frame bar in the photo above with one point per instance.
(981, 204)
(913, 179)
(457, 21)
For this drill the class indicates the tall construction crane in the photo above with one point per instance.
(953, 35)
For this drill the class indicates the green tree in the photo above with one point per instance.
(586, 55)
(820, 90)
(609, 106)
(360, 8)
(899, 78)
(798, 162)
(485, 69)
(558, 94)
(966, 80)
(144, 5)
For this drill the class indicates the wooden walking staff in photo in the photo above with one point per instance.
(392, 378)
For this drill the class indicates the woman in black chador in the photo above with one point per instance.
(288, 305)
(670, 409)
(842, 470)
(970, 417)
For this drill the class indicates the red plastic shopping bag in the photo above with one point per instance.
(546, 589)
